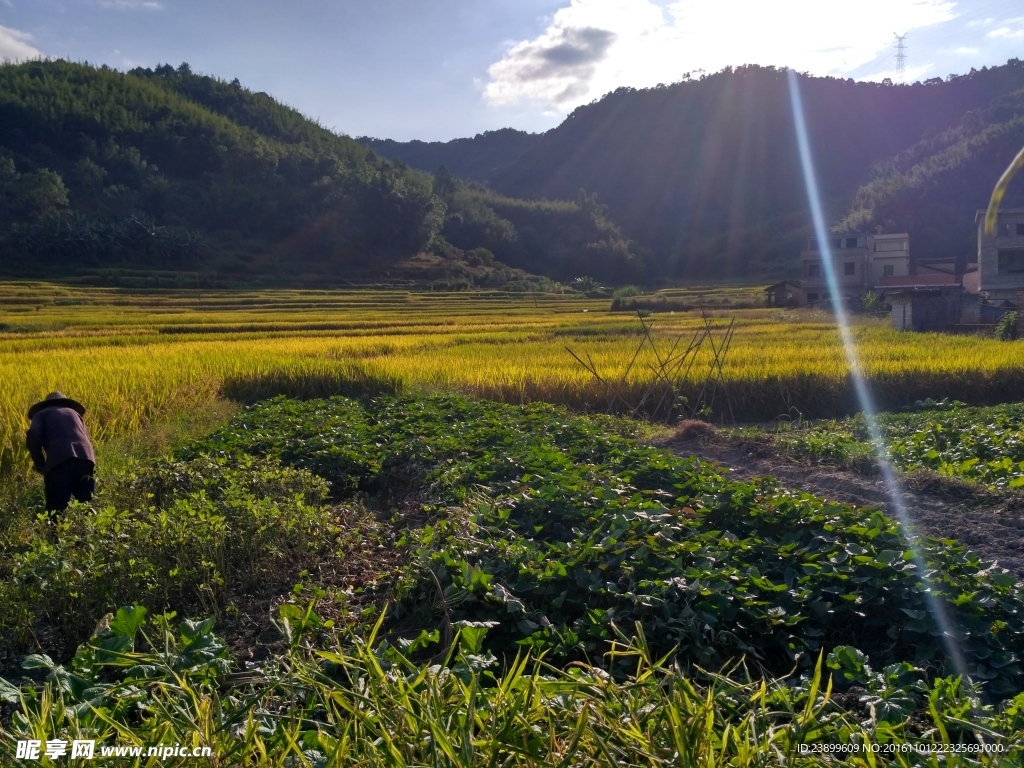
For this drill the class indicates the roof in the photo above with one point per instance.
(931, 280)
(794, 283)
(982, 211)
(923, 290)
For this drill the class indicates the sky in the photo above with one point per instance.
(441, 69)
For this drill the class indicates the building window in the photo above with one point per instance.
(1011, 261)
(811, 298)
(888, 270)
(851, 242)
(890, 245)
(813, 270)
(1020, 230)
(849, 268)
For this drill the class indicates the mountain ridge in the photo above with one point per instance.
(475, 158)
(704, 175)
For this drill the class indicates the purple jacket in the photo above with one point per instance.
(56, 435)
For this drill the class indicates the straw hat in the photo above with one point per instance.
(56, 400)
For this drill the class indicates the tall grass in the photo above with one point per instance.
(365, 703)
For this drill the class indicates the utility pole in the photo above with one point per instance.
(901, 57)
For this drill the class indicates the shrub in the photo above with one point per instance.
(626, 291)
(184, 534)
(479, 257)
(870, 303)
(1006, 328)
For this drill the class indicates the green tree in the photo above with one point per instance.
(39, 193)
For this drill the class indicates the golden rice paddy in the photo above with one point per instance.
(134, 358)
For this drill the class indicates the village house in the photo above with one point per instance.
(963, 296)
(925, 307)
(929, 297)
(938, 294)
(788, 293)
(860, 262)
(1000, 256)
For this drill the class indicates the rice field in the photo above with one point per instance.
(134, 358)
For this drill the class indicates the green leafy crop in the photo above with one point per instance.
(981, 444)
(561, 528)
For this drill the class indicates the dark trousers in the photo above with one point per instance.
(69, 478)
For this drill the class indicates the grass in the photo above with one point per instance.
(331, 701)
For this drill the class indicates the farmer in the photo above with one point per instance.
(61, 451)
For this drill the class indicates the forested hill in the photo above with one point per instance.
(474, 159)
(705, 173)
(168, 169)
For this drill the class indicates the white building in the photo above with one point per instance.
(1001, 255)
(860, 262)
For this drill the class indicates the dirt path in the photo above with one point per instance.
(989, 524)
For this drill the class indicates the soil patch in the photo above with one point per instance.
(991, 524)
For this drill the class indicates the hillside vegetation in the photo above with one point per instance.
(167, 169)
(172, 170)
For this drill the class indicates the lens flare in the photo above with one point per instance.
(898, 506)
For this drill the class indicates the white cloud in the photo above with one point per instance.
(964, 50)
(643, 43)
(1013, 29)
(556, 67)
(16, 45)
(910, 74)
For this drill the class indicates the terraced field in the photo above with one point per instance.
(138, 358)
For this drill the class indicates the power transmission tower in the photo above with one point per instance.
(901, 57)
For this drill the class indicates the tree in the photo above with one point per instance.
(445, 185)
(39, 193)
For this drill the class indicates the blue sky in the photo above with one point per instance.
(441, 69)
